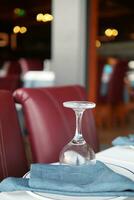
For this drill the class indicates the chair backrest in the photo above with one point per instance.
(116, 85)
(49, 124)
(114, 88)
(100, 66)
(12, 154)
(14, 68)
(11, 67)
(10, 82)
(30, 64)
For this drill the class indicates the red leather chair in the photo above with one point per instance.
(100, 65)
(11, 79)
(10, 82)
(12, 155)
(14, 68)
(111, 109)
(116, 85)
(49, 124)
(11, 67)
(28, 64)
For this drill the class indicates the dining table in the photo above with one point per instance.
(34, 79)
(119, 158)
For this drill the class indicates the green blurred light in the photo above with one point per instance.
(20, 12)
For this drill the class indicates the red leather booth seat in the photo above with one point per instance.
(12, 154)
(49, 124)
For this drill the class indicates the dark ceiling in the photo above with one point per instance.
(117, 14)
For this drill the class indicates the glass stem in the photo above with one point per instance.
(78, 138)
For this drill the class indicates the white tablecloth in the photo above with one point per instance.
(119, 155)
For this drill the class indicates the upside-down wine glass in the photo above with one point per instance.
(78, 151)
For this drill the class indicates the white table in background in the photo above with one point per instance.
(34, 79)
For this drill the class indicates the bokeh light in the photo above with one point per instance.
(111, 32)
(44, 18)
(16, 29)
(98, 43)
(23, 29)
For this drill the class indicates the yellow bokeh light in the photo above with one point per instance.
(16, 10)
(111, 32)
(47, 17)
(98, 43)
(108, 32)
(23, 29)
(16, 29)
(39, 17)
(114, 32)
(44, 18)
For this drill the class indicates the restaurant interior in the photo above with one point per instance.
(52, 51)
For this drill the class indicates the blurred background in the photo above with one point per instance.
(27, 35)
(62, 42)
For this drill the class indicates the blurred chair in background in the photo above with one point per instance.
(116, 84)
(10, 82)
(10, 76)
(34, 75)
(14, 68)
(30, 64)
(116, 92)
(11, 73)
(110, 95)
(12, 154)
(101, 63)
(129, 91)
(50, 126)
(10, 67)
(103, 111)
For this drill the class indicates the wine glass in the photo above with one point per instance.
(78, 151)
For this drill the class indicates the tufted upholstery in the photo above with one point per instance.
(12, 155)
(49, 124)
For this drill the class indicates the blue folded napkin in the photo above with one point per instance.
(86, 180)
(124, 140)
